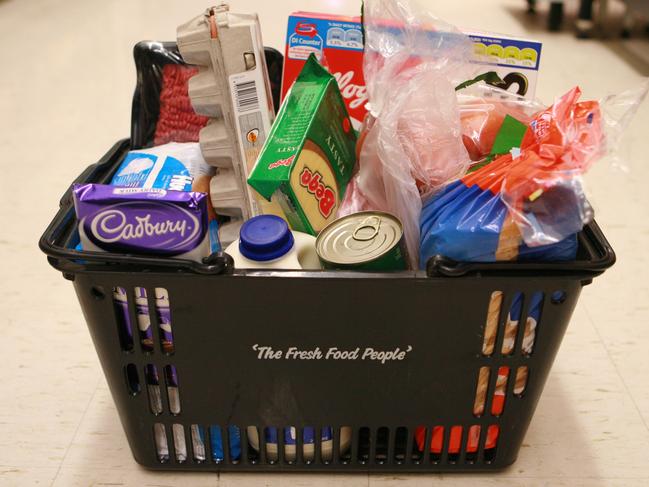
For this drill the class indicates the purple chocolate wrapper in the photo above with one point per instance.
(143, 319)
(120, 304)
(164, 319)
(141, 221)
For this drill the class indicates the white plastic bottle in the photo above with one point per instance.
(266, 242)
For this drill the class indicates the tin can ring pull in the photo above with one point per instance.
(373, 222)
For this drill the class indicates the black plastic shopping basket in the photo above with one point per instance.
(321, 371)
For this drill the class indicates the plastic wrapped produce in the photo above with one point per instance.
(411, 141)
(482, 112)
(528, 205)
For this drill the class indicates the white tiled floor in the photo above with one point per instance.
(65, 98)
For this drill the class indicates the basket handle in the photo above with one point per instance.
(97, 172)
(600, 256)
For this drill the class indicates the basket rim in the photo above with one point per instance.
(599, 255)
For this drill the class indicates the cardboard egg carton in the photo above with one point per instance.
(232, 88)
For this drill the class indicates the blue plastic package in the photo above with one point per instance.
(466, 224)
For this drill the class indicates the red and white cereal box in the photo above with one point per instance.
(337, 42)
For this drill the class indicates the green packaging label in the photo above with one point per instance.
(309, 156)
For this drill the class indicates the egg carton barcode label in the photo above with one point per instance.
(250, 116)
(245, 95)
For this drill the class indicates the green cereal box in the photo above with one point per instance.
(309, 156)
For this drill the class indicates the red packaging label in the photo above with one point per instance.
(324, 194)
(337, 41)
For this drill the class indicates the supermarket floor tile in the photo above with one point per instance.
(490, 481)
(66, 99)
(28, 476)
(99, 441)
(131, 477)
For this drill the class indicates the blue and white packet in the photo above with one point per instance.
(465, 224)
(174, 166)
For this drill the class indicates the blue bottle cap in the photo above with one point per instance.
(265, 237)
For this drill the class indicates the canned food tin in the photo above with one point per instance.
(369, 240)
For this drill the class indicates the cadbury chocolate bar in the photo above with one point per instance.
(144, 221)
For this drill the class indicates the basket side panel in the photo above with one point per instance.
(307, 352)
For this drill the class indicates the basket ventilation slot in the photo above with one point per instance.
(122, 319)
(508, 325)
(290, 445)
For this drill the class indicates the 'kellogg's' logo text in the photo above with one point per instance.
(326, 196)
(355, 94)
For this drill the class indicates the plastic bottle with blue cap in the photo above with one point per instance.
(266, 242)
